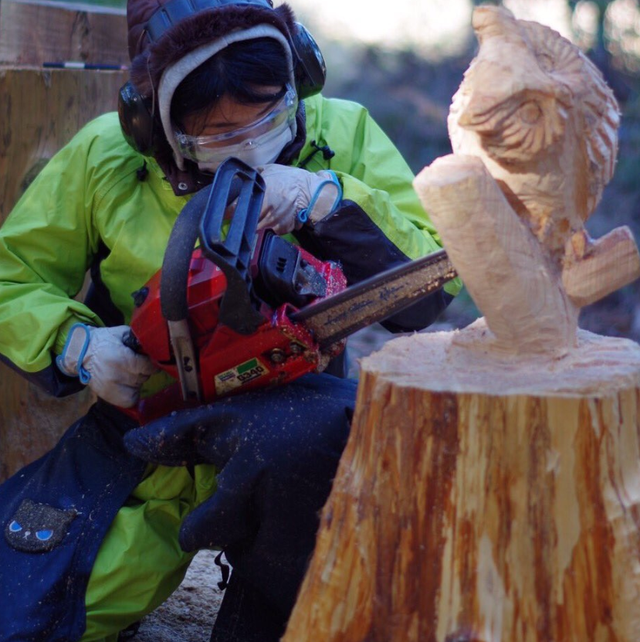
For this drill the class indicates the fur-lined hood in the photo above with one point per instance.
(150, 59)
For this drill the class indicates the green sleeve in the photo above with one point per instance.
(46, 246)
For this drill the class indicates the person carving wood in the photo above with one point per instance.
(95, 536)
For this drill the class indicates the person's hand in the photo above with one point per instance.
(104, 363)
(294, 195)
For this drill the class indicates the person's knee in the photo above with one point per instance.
(307, 447)
(318, 429)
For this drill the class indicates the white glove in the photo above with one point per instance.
(99, 357)
(293, 196)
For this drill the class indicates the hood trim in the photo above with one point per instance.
(149, 61)
(176, 73)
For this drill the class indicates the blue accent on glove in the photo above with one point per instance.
(83, 373)
(303, 214)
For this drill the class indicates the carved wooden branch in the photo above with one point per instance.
(506, 271)
(594, 269)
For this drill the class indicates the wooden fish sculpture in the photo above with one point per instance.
(534, 132)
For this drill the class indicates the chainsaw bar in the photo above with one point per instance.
(375, 298)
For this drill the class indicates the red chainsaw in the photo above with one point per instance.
(247, 309)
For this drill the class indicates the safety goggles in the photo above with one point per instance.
(202, 149)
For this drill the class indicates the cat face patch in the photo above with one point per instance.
(37, 528)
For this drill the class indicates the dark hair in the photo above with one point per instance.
(238, 70)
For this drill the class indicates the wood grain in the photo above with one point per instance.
(40, 111)
(33, 33)
(464, 515)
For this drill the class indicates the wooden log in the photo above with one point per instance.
(31, 420)
(483, 499)
(40, 110)
(35, 32)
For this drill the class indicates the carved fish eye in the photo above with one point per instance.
(530, 112)
(517, 128)
(14, 527)
(545, 60)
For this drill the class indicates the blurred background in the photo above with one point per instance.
(405, 59)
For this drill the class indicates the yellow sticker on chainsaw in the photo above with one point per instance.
(240, 376)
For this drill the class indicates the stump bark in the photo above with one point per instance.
(482, 498)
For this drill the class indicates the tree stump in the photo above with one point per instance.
(490, 488)
(483, 499)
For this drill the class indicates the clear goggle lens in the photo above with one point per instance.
(205, 148)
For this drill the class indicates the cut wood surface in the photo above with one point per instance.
(483, 498)
(594, 269)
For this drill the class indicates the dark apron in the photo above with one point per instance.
(277, 452)
(54, 514)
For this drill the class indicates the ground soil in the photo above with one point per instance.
(188, 615)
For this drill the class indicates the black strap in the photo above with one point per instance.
(327, 153)
(130, 632)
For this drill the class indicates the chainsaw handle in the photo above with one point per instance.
(233, 254)
(203, 215)
(177, 257)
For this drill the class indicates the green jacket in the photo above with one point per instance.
(92, 208)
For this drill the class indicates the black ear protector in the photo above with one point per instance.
(309, 67)
(135, 111)
(136, 119)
